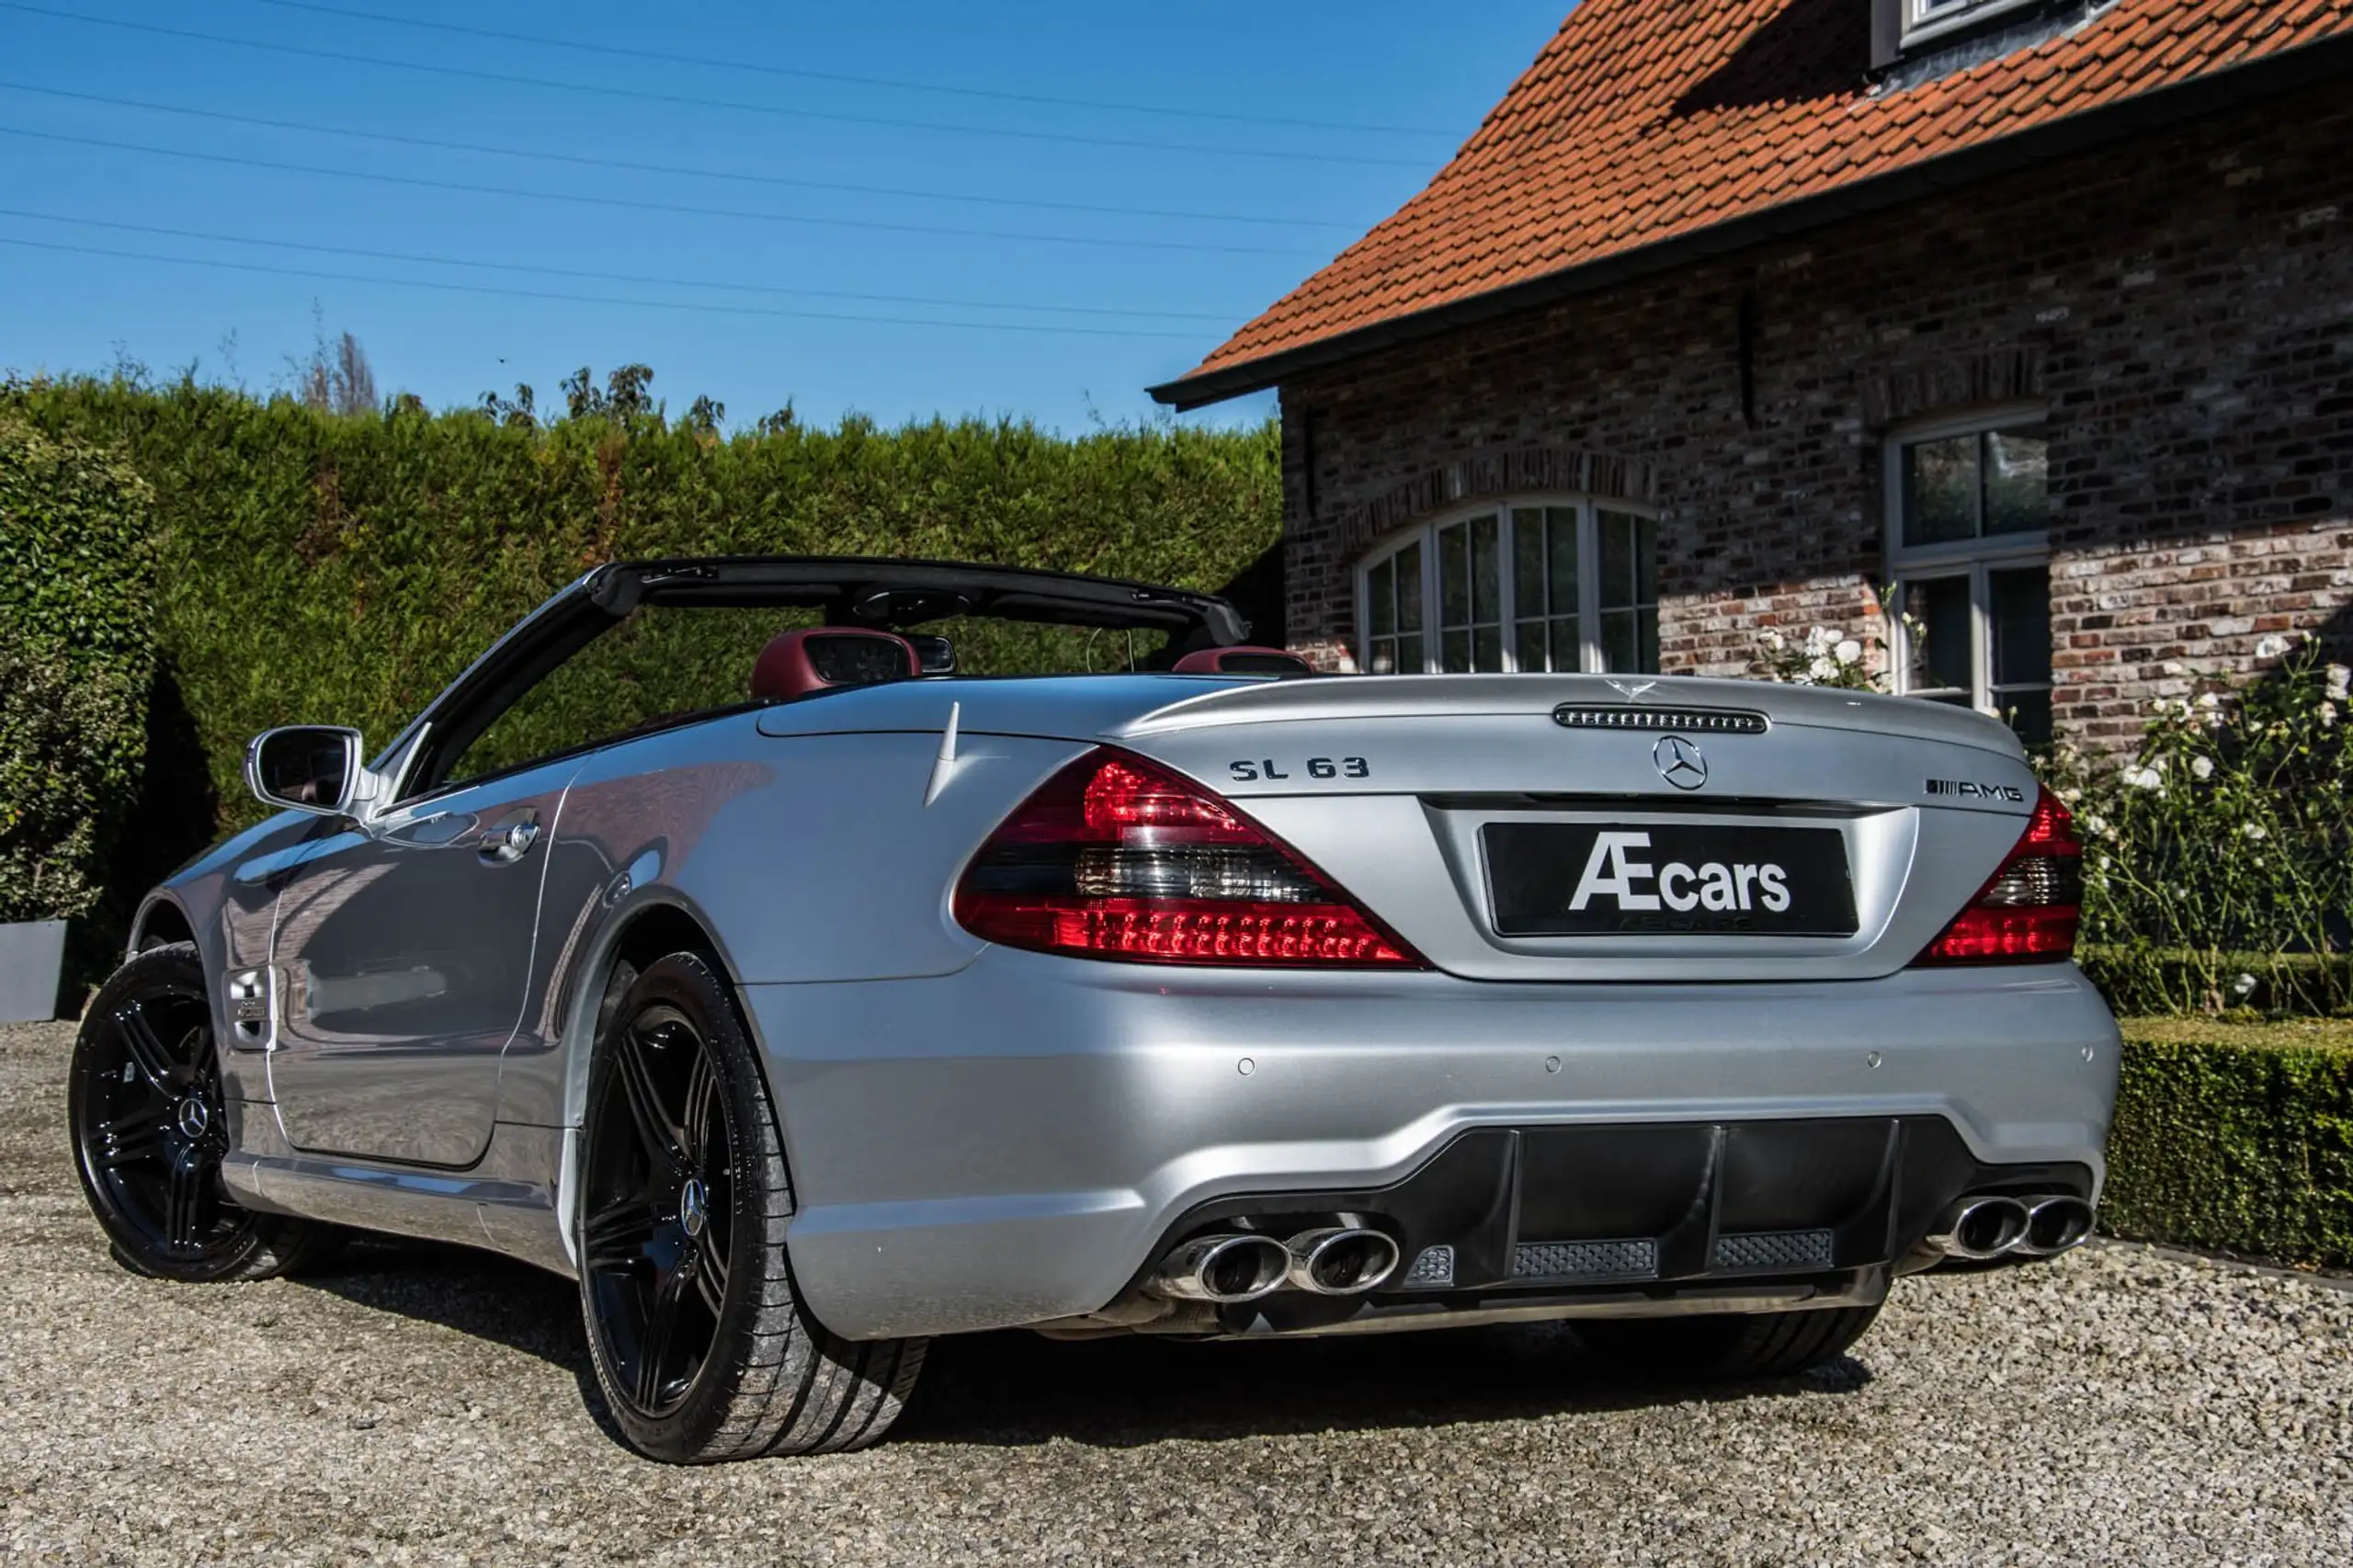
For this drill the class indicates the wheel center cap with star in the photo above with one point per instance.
(694, 1207)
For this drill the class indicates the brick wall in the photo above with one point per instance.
(2185, 311)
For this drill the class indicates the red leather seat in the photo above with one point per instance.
(819, 658)
(1244, 660)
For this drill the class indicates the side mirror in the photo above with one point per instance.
(306, 767)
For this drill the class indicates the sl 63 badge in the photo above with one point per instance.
(1247, 772)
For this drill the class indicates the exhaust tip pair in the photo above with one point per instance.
(1989, 1227)
(1332, 1260)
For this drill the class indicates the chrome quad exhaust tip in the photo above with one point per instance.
(1340, 1260)
(2055, 1224)
(1980, 1228)
(1224, 1269)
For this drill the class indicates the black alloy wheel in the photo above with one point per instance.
(701, 1343)
(656, 1241)
(150, 1128)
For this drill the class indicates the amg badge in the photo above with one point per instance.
(1970, 789)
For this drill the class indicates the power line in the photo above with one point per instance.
(583, 299)
(632, 166)
(774, 289)
(647, 95)
(634, 205)
(800, 73)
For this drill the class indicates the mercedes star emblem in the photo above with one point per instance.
(1680, 762)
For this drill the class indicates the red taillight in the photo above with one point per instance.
(2030, 908)
(1117, 858)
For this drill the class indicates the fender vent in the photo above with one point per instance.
(1693, 721)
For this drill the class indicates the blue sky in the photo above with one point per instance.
(829, 160)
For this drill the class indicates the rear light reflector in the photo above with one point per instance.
(1117, 858)
(2030, 908)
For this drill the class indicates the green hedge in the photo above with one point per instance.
(314, 567)
(2144, 979)
(2236, 1136)
(77, 655)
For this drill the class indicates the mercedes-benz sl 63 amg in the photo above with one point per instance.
(744, 939)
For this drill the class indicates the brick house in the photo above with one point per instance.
(2035, 317)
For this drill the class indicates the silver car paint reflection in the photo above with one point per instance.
(983, 1138)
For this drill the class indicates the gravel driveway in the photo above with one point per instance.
(424, 1405)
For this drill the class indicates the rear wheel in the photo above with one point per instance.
(702, 1348)
(150, 1129)
(1744, 1345)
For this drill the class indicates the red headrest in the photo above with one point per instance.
(818, 658)
(1243, 662)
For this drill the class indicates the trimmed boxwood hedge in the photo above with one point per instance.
(2236, 1136)
(2144, 979)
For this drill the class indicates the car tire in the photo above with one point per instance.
(702, 1346)
(148, 1125)
(1730, 1345)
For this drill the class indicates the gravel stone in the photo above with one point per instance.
(426, 1405)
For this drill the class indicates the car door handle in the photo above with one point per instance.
(507, 845)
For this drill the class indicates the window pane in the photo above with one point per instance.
(1454, 652)
(1620, 641)
(1380, 598)
(1940, 639)
(1618, 540)
(2019, 614)
(2018, 486)
(1409, 656)
(1486, 596)
(1646, 641)
(1528, 562)
(2028, 712)
(1487, 649)
(1454, 576)
(1409, 587)
(1566, 653)
(1940, 490)
(1380, 656)
(1646, 563)
(1561, 555)
(1527, 647)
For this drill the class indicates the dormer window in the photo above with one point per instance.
(1943, 34)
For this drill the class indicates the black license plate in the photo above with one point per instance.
(1635, 880)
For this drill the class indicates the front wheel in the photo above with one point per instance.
(150, 1129)
(702, 1346)
(1727, 1346)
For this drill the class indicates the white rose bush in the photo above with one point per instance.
(2218, 866)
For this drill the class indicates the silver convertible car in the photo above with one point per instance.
(730, 939)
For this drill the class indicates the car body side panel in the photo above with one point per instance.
(1005, 1144)
(810, 858)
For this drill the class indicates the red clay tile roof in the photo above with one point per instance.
(1649, 120)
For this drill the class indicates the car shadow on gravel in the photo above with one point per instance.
(1015, 1389)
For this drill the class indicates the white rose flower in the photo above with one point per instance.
(2094, 823)
(2339, 681)
(2140, 777)
(1774, 639)
(2244, 984)
(1823, 668)
(1818, 639)
(2327, 714)
(2255, 830)
(2209, 701)
(2270, 647)
(2071, 794)
(1848, 651)
(2203, 766)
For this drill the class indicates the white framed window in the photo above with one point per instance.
(1969, 551)
(1925, 21)
(1541, 582)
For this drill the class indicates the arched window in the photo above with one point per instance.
(1534, 582)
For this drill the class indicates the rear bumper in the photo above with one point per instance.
(1014, 1143)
